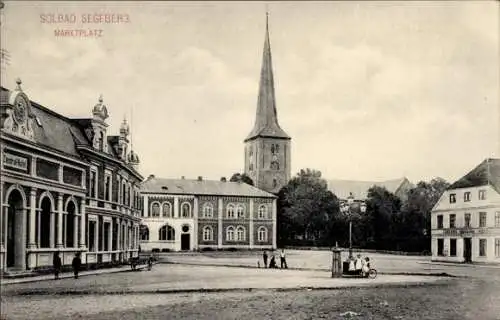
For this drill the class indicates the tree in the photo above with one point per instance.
(306, 209)
(241, 177)
(380, 224)
(416, 213)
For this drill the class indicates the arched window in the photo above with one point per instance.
(230, 234)
(166, 233)
(155, 209)
(275, 183)
(186, 210)
(70, 225)
(240, 211)
(208, 210)
(144, 232)
(167, 210)
(230, 211)
(262, 234)
(262, 211)
(208, 233)
(240, 233)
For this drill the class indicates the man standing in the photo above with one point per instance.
(283, 259)
(264, 256)
(57, 264)
(77, 263)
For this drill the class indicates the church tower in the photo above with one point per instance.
(267, 147)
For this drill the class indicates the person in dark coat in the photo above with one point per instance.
(77, 263)
(272, 263)
(57, 264)
(264, 256)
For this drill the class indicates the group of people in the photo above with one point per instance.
(57, 264)
(359, 265)
(272, 261)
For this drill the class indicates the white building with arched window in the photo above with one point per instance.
(67, 186)
(206, 214)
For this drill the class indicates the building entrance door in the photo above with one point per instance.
(468, 250)
(185, 237)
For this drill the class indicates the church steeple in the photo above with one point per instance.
(267, 147)
(266, 120)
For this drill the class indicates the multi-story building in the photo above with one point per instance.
(466, 219)
(267, 147)
(66, 186)
(182, 214)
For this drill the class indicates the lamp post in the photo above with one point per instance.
(348, 207)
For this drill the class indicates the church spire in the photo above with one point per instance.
(266, 121)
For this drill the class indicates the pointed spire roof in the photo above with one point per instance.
(266, 120)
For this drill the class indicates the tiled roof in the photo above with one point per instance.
(266, 120)
(359, 189)
(486, 173)
(55, 131)
(202, 187)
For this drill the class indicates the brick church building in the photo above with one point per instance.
(183, 214)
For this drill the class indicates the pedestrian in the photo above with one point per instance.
(264, 256)
(77, 263)
(57, 264)
(358, 264)
(150, 262)
(283, 259)
(272, 263)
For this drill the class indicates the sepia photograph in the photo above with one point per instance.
(250, 160)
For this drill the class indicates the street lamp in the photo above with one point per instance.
(348, 207)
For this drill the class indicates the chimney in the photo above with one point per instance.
(182, 178)
(200, 178)
(223, 179)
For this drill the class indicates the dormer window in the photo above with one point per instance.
(453, 198)
(466, 196)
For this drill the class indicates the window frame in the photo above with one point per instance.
(207, 210)
(152, 211)
(453, 222)
(440, 221)
(241, 230)
(483, 247)
(262, 214)
(453, 198)
(483, 222)
(262, 230)
(169, 232)
(230, 230)
(169, 209)
(482, 194)
(467, 196)
(185, 203)
(232, 211)
(208, 231)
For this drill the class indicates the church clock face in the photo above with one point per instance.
(20, 110)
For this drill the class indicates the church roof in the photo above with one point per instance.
(486, 173)
(202, 187)
(266, 120)
(359, 189)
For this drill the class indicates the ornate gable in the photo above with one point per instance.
(17, 115)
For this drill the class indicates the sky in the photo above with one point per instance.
(367, 90)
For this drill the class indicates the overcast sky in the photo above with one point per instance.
(367, 91)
